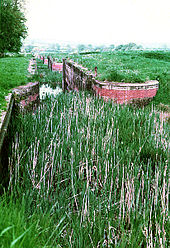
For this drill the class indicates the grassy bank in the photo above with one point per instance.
(88, 174)
(13, 72)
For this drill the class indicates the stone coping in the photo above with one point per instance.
(80, 67)
(24, 88)
(152, 84)
(147, 83)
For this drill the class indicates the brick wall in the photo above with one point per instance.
(75, 77)
(27, 96)
(128, 93)
(55, 66)
(21, 99)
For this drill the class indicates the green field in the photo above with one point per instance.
(87, 173)
(133, 66)
(13, 73)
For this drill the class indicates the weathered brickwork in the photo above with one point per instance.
(127, 94)
(21, 99)
(55, 66)
(27, 96)
(76, 77)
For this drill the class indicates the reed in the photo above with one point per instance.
(98, 170)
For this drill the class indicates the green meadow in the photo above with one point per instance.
(132, 66)
(13, 73)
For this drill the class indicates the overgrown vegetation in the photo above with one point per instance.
(133, 66)
(13, 73)
(87, 174)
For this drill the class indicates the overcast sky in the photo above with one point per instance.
(99, 21)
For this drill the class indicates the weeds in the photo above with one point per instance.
(99, 170)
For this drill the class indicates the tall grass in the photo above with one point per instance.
(19, 228)
(98, 172)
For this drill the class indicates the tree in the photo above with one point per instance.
(90, 47)
(29, 48)
(12, 26)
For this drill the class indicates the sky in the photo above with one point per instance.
(99, 21)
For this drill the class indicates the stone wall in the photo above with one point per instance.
(23, 98)
(75, 77)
